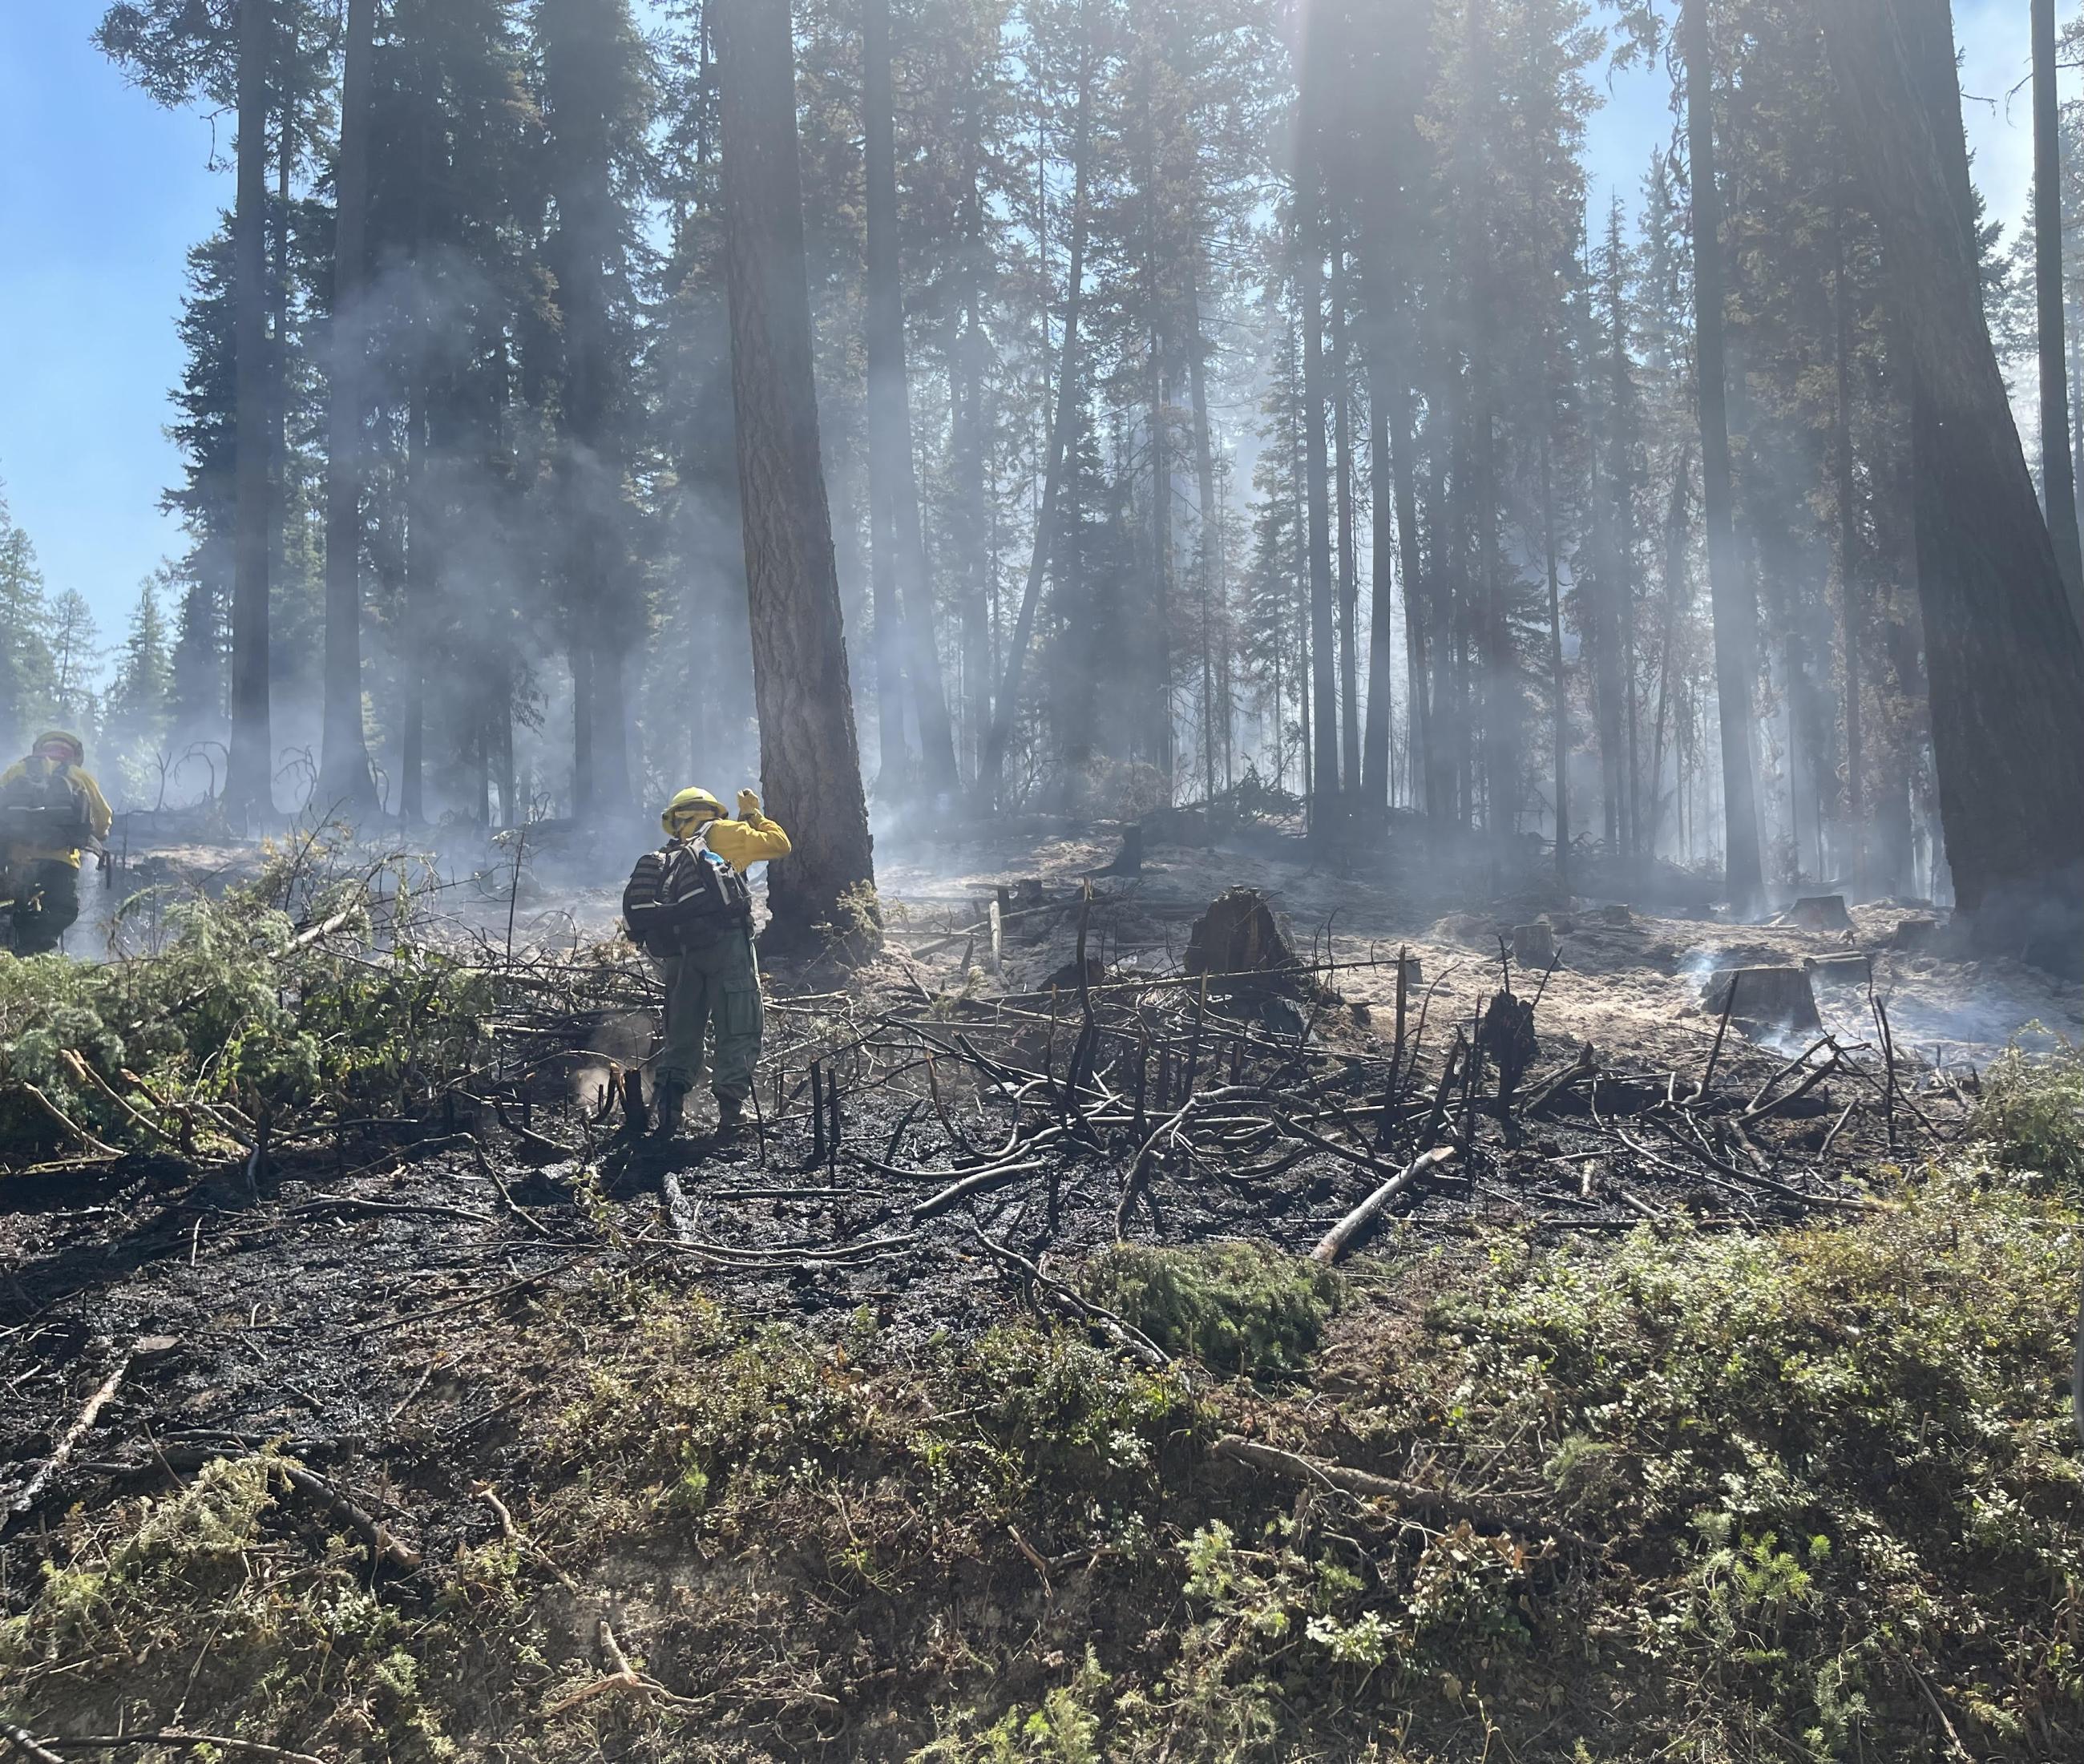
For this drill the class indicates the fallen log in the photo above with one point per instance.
(82, 1426)
(1350, 1230)
(376, 1537)
(27, 1744)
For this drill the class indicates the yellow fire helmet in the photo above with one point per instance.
(688, 811)
(60, 745)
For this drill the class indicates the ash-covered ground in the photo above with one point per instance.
(942, 1135)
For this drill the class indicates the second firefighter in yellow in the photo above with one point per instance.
(51, 810)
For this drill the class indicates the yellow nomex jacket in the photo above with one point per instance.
(752, 839)
(742, 843)
(99, 817)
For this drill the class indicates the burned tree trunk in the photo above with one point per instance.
(1323, 643)
(1158, 719)
(1205, 531)
(249, 775)
(991, 771)
(1735, 617)
(904, 596)
(1375, 752)
(2005, 657)
(884, 340)
(1559, 709)
(1850, 625)
(344, 771)
(808, 759)
(2058, 468)
(1350, 586)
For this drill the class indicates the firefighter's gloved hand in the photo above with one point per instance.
(748, 805)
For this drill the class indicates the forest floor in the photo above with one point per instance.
(985, 1401)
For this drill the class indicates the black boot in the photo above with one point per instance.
(636, 1119)
(731, 1118)
(670, 1099)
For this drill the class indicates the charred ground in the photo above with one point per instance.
(953, 1406)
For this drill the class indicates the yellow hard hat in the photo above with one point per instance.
(60, 738)
(688, 811)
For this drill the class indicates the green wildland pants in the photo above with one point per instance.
(722, 983)
(46, 894)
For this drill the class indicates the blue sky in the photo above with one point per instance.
(102, 193)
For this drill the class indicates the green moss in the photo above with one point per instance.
(1235, 1307)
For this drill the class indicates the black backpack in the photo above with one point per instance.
(684, 897)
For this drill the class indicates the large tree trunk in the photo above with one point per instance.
(1421, 742)
(1851, 625)
(1617, 598)
(2058, 468)
(278, 326)
(420, 570)
(344, 776)
(1159, 712)
(1676, 520)
(1205, 529)
(808, 760)
(1350, 586)
(893, 483)
(1375, 756)
(1613, 554)
(1389, 348)
(1323, 643)
(249, 796)
(1005, 704)
(1558, 706)
(885, 315)
(2005, 655)
(1446, 728)
(974, 516)
(1735, 615)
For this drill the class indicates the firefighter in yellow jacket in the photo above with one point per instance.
(688, 906)
(51, 810)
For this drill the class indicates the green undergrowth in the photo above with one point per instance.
(1235, 1307)
(2031, 1115)
(1809, 1496)
(270, 1008)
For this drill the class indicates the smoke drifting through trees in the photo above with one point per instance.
(1231, 398)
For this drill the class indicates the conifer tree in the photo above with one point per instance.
(27, 681)
(809, 760)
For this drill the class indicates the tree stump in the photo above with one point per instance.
(1238, 934)
(1819, 912)
(1617, 915)
(1841, 970)
(1765, 998)
(1506, 1036)
(1129, 860)
(1534, 946)
(1915, 934)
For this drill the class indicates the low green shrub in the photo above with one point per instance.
(2031, 1114)
(1240, 1308)
(236, 1015)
